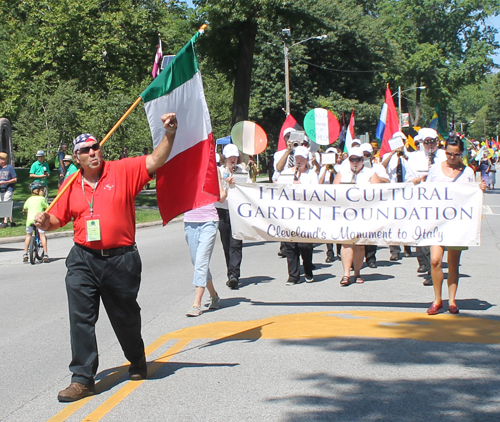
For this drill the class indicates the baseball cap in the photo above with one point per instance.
(427, 132)
(399, 135)
(301, 151)
(230, 150)
(366, 147)
(356, 152)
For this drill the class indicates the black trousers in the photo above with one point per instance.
(424, 257)
(370, 252)
(396, 249)
(233, 248)
(329, 250)
(293, 251)
(116, 281)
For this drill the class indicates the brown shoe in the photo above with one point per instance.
(138, 370)
(75, 391)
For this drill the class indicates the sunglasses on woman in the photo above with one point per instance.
(449, 154)
(86, 150)
(355, 159)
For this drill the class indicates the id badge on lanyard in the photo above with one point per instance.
(92, 222)
(93, 228)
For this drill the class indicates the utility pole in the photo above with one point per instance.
(287, 80)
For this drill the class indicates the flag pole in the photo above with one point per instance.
(108, 135)
(118, 123)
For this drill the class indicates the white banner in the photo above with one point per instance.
(447, 214)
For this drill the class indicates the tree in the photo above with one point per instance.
(444, 44)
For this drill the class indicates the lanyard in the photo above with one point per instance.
(91, 203)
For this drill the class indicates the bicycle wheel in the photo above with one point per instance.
(38, 247)
(32, 248)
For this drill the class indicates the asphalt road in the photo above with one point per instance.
(310, 352)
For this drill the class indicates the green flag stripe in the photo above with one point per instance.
(180, 70)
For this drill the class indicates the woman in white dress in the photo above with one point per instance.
(451, 170)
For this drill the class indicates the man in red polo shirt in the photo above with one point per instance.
(104, 263)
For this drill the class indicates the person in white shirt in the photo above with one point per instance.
(326, 176)
(356, 173)
(420, 161)
(371, 250)
(293, 250)
(233, 248)
(399, 170)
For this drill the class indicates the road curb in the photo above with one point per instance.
(55, 235)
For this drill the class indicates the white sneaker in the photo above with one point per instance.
(25, 257)
(309, 278)
(45, 258)
(214, 302)
(194, 311)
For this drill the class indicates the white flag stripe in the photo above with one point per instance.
(188, 102)
(249, 138)
(321, 126)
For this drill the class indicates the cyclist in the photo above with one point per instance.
(34, 204)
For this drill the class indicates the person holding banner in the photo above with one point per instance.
(303, 174)
(355, 173)
(233, 248)
(399, 170)
(327, 176)
(451, 170)
(420, 162)
(104, 263)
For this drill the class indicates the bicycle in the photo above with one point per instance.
(35, 248)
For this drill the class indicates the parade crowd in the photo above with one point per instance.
(104, 263)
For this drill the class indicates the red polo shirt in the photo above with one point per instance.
(114, 203)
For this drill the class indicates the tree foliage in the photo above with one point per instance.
(71, 67)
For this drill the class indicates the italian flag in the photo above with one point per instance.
(189, 178)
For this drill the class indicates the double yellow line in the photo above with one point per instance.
(128, 388)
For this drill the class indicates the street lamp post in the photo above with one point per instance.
(287, 70)
(399, 100)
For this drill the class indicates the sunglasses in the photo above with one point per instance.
(86, 150)
(433, 141)
(355, 159)
(449, 154)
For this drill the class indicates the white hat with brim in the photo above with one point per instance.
(230, 150)
(355, 152)
(288, 130)
(40, 153)
(330, 150)
(68, 158)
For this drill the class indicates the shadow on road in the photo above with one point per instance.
(247, 281)
(387, 393)
(464, 304)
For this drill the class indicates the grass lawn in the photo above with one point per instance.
(22, 192)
